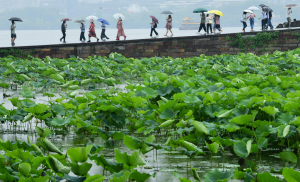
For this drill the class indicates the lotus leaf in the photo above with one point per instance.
(216, 175)
(79, 154)
(95, 178)
(288, 156)
(290, 175)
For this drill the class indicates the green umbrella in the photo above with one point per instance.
(200, 10)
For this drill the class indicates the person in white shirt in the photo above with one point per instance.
(244, 21)
(288, 16)
(209, 23)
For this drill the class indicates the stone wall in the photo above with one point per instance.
(174, 47)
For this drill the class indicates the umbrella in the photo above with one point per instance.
(166, 12)
(291, 6)
(154, 19)
(217, 12)
(200, 10)
(79, 21)
(268, 9)
(248, 11)
(262, 5)
(104, 21)
(66, 19)
(15, 19)
(92, 17)
(253, 8)
(118, 15)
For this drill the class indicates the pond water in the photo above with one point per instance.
(168, 162)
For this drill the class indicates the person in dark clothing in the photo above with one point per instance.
(63, 30)
(202, 24)
(103, 35)
(153, 27)
(82, 37)
(269, 23)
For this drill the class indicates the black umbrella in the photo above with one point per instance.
(262, 5)
(15, 19)
(268, 9)
(166, 12)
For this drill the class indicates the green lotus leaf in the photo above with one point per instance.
(20, 154)
(79, 154)
(161, 76)
(162, 91)
(271, 110)
(262, 143)
(274, 80)
(283, 131)
(267, 177)
(147, 92)
(95, 178)
(120, 177)
(57, 166)
(39, 179)
(242, 119)
(37, 149)
(216, 175)
(225, 114)
(58, 109)
(288, 156)
(37, 161)
(167, 123)
(262, 131)
(285, 118)
(136, 144)
(3, 111)
(74, 87)
(212, 147)
(107, 164)
(45, 132)
(8, 145)
(27, 118)
(139, 177)
(191, 147)
(128, 161)
(24, 169)
(201, 128)
(242, 149)
(51, 147)
(86, 81)
(60, 121)
(212, 109)
(17, 117)
(38, 109)
(6, 177)
(290, 175)
(57, 77)
(110, 143)
(231, 127)
(191, 99)
(82, 169)
(27, 94)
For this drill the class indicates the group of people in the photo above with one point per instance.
(266, 19)
(92, 32)
(207, 21)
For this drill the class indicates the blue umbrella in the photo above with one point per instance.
(104, 21)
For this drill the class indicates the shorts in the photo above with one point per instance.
(13, 36)
(217, 26)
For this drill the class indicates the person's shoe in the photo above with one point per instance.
(64, 42)
(97, 40)
(117, 39)
(107, 38)
(124, 37)
(197, 32)
(157, 35)
(60, 39)
(89, 41)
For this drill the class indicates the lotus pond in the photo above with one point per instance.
(206, 118)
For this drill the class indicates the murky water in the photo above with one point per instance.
(168, 162)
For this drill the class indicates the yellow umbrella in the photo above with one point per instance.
(217, 12)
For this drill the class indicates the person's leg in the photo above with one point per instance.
(105, 34)
(102, 34)
(200, 27)
(289, 21)
(171, 32)
(167, 32)
(151, 32)
(155, 31)
(210, 25)
(204, 27)
(64, 36)
(207, 27)
(271, 25)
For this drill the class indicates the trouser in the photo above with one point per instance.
(214, 26)
(82, 37)
(269, 23)
(209, 27)
(263, 23)
(244, 25)
(153, 29)
(289, 21)
(252, 23)
(202, 25)
(103, 34)
(64, 36)
(218, 27)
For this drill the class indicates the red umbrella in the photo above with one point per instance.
(154, 19)
(66, 19)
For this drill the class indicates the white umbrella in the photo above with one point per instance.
(92, 18)
(253, 8)
(118, 15)
(248, 11)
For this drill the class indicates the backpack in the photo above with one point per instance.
(155, 25)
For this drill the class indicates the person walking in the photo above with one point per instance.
(288, 16)
(153, 27)
(103, 35)
(214, 20)
(169, 25)
(120, 29)
(202, 23)
(209, 23)
(269, 21)
(252, 16)
(13, 33)
(244, 21)
(63, 30)
(92, 32)
(82, 28)
(263, 20)
(218, 24)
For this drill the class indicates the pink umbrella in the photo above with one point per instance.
(154, 19)
(66, 19)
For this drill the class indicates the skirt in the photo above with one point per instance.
(92, 34)
(169, 26)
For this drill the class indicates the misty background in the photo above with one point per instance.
(46, 14)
